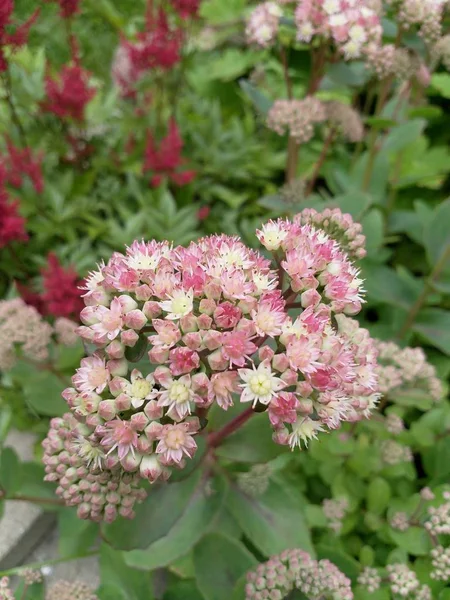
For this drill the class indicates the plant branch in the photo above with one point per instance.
(34, 499)
(325, 148)
(427, 288)
(46, 563)
(216, 437)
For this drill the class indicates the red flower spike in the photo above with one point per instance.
(62, 296)
(166, 160)
(68, 95)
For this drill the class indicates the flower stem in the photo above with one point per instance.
(14, 115)
(427, 288)
(47, 563)
(34, 499)
(325, 148)
(216, 438)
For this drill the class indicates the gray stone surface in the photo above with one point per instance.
(86, 569)
(23, 525)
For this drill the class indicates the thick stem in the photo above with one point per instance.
(427, 288)
(292, 159)
(217, 437)
(37, 500)
(38, 565)
(373, 148)
(325, 148)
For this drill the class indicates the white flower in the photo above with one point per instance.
(260, 384)
(358, 34)
(303, 430)
(177, 396)
(351, 49)
(305, 31)
(272, 235)
(140, 388)
(180, 304)
(331, 6)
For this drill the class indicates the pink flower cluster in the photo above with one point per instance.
(74, 461)
(296, 570)
(263, 23)
(297, 117)
(203, 313)
(22, 325)
(350, 24)
(339, 226)
(405, 369)
(425, 15)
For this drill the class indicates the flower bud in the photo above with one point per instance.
(129, 338)
(135, 319)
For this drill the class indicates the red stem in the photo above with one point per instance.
(217, 437)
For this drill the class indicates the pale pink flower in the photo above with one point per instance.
(270, 315)
(93, 375)
(175, 442)
(120, 435)
(110, 321)
(237, 347)
(222, 386)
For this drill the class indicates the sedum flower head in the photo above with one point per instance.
(5, 591)
(65, 590)
(263, 23)
(296, 117)
(438, 521)
(403, 369)
(351, 25)
(345, 119)
(296, 570)
(204, 314)
(440, 559)
(405, 584)
(370, 579)
(77, 466)
(21, 324)
(339, 226)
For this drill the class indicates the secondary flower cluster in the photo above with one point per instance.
(296, 570)
(406, 369)
(351, 25)
(22, 325)
(402, 582)
(76, 463)
(70, 590)
(299, 118)
(13, 39)
(339, 226)
(68, 93)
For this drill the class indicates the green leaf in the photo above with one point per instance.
(172, 519)
(182, 590)
(41, 388)
(384, 285)
(378, 495)
(75, 535)
(433, 324)
(414, 540)
(131, 583)
(219, 563)
(273, 522)
(346, 563)
(437, 236)
(10, 471)
(352, 74)
(5, 421)
(135, 353)
(231, 64)
(441, 83)
(403, 135)
(373, 229)
(251, 443)
(259, 100)
(217, 11)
